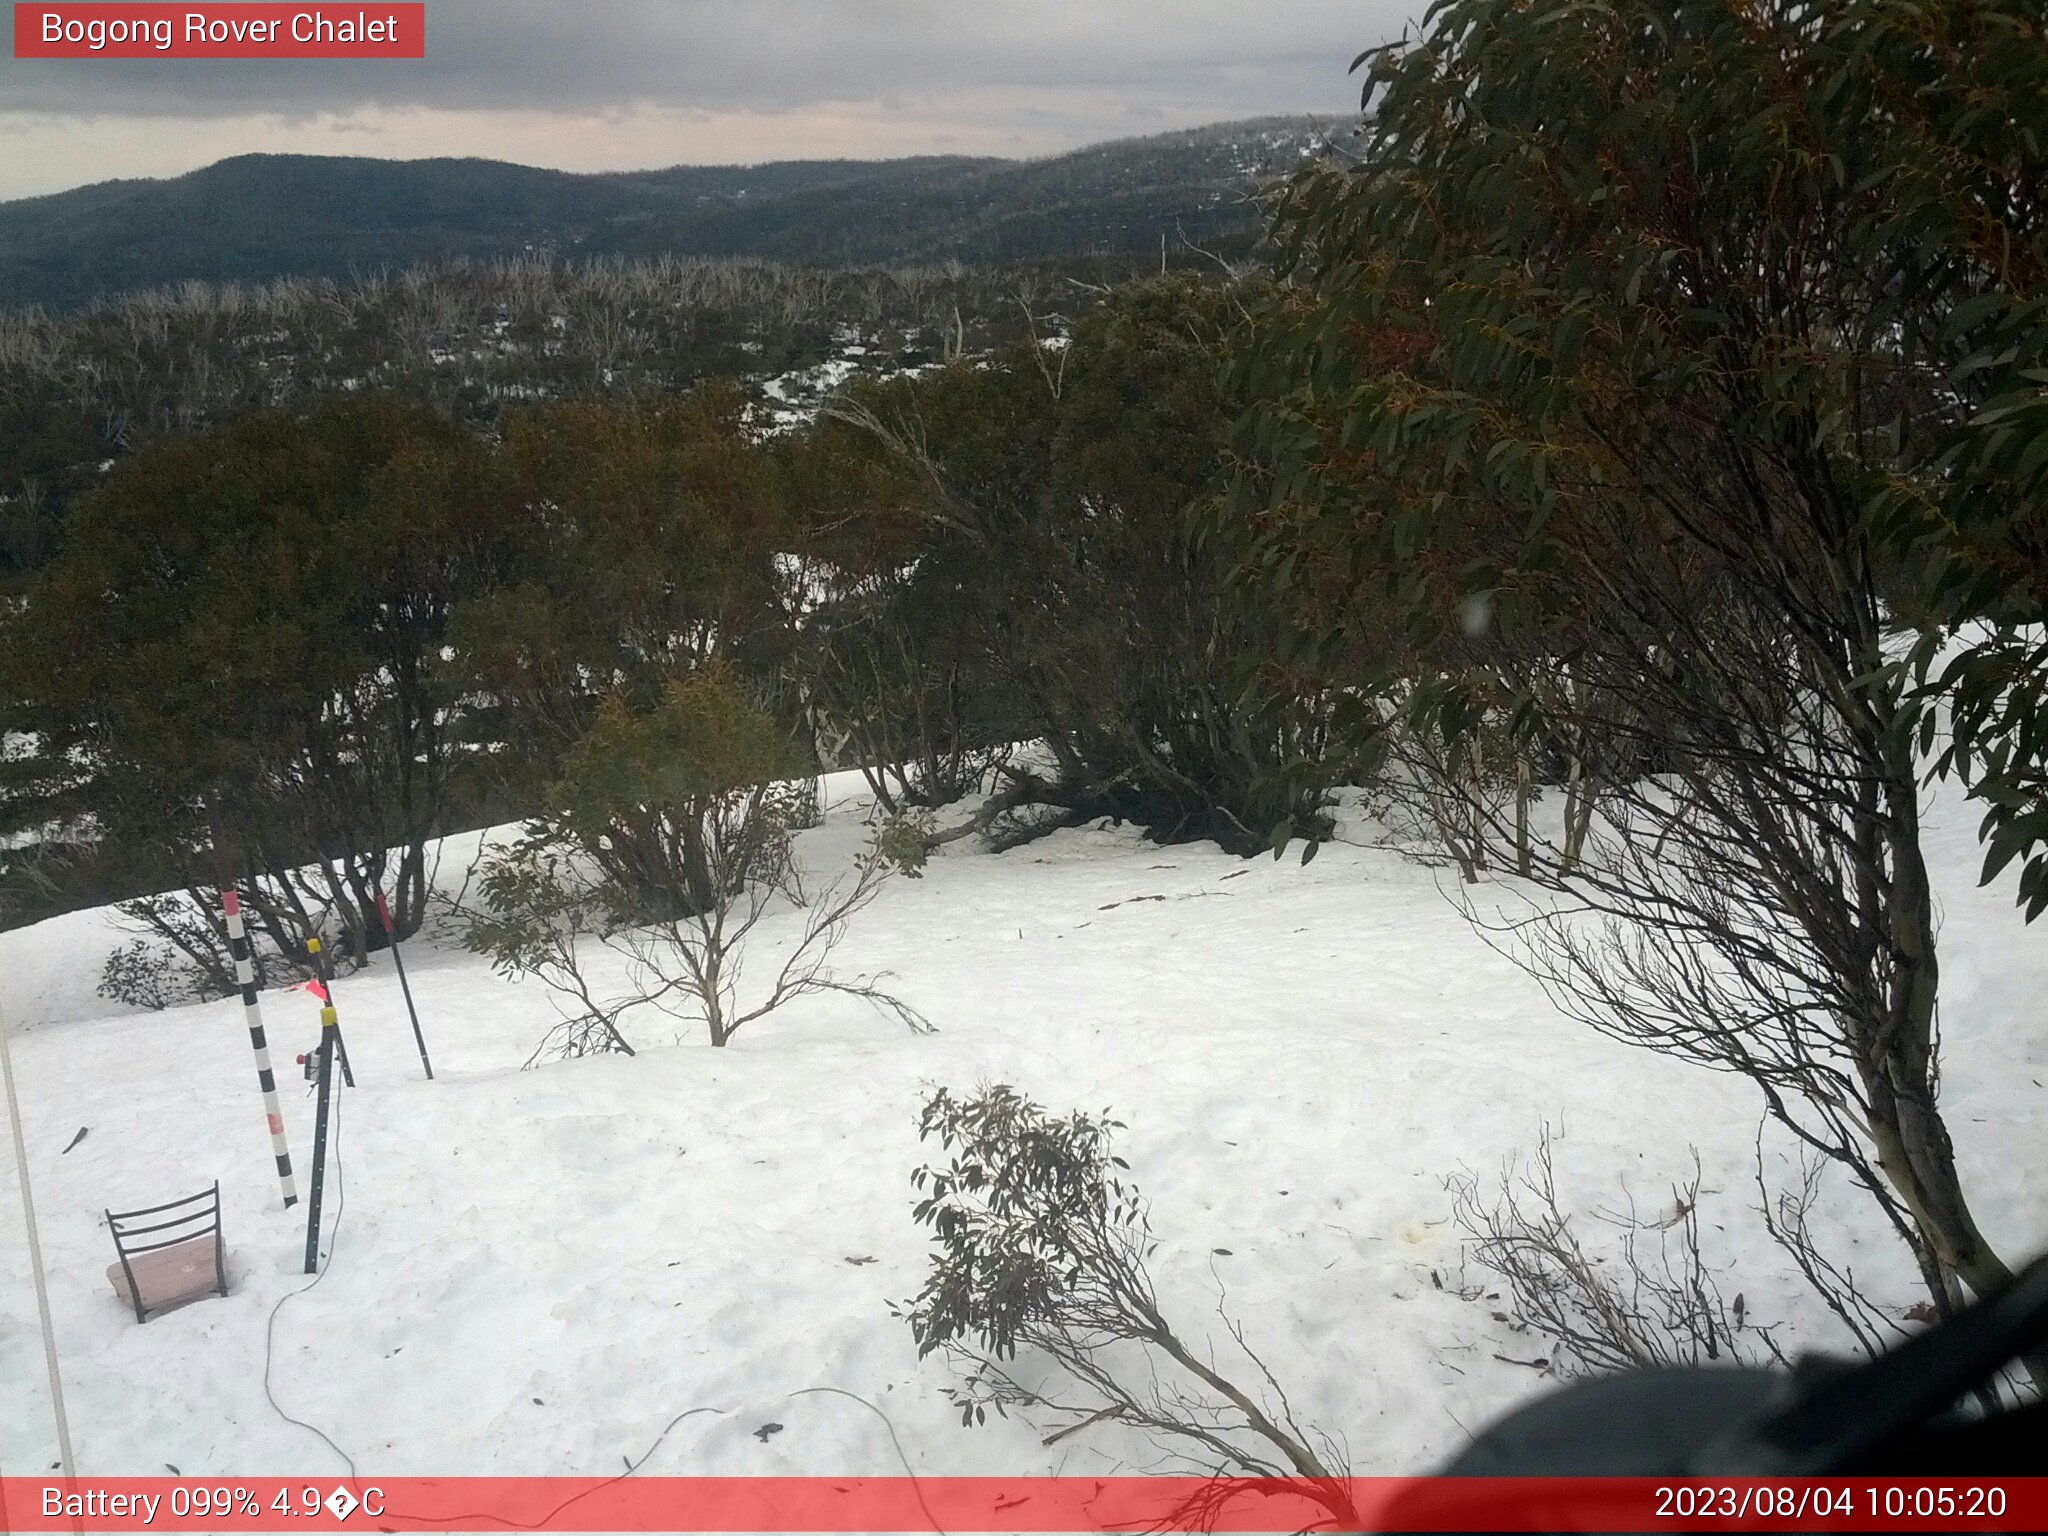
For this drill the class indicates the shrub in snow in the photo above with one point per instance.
(538, 910)
(675, 842)
(143, 975)
(1654, 1302)
(893, 670)
(904, 842)
(1039, 1291)
(193, 962)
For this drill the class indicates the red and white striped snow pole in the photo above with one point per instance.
(245, 978)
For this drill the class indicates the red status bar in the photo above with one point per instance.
(960, 1505)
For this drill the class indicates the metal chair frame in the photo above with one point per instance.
(199, 1221)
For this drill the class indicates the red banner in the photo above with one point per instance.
(961, 1505)
(216, 31)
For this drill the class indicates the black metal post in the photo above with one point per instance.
(330, 1035)
(340, 1045)
(391, 935)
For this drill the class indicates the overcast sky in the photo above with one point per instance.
(625, 84)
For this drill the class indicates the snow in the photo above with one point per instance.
(795, 397)
(534, 1271)
(819, 379)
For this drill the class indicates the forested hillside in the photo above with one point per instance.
(259, 217)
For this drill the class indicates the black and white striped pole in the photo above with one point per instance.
(252, 1012)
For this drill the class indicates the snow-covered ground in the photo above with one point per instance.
(794, 398)
(534, 1271)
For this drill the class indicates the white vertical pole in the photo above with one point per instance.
(65, 1464)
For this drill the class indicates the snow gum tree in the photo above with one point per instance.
(1628, 373)
(238, 649)
(1063, 494)
(647, 542)
(893, 659)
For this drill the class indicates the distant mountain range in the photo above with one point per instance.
(257, 217)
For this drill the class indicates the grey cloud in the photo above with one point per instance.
(564, 56)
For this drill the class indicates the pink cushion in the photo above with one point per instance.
(166, 1276)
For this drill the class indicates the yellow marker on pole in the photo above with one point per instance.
(328, 1020)
(327, 1016)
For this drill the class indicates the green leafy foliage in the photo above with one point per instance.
(705, 739)
(903, 843)
(1026, 1209)
(1584, 250)
(143, 975)
(646, 541)
(1995, 688)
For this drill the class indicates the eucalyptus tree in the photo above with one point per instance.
(1636, 374)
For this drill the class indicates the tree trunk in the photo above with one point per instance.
(1524, 855)
(1476, 805)
(1577, 814)
(1901, 1072)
